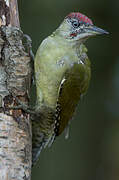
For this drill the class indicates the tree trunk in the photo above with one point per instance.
(15, 78)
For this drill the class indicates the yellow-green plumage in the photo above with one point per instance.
(62, 73)
(75, 85)
(55, 60)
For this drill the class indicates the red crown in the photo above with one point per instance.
(80, 17)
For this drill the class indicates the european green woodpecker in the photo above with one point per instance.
(62, 74)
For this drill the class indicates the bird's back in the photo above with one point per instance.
(62, 76)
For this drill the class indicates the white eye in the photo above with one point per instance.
(75, 24)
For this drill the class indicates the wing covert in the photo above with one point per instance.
(73, 85)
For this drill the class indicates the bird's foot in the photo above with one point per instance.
(28, 45)
(23, 106)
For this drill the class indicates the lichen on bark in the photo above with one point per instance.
(15, 80)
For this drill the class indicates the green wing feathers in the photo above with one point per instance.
(74, 84)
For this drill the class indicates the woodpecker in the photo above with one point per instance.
(62, 75)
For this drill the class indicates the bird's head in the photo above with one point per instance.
(77, 26)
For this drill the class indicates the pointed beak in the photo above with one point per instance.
(93, 30)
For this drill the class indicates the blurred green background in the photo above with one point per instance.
(92, 150)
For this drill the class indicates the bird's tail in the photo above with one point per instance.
(42, 132)
(35, 154)
(37, 142)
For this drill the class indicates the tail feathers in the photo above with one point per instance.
(37, 145)
(35, 154)
(42, 132)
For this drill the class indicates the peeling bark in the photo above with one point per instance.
(15, 78)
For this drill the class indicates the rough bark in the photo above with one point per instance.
(15, 75)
